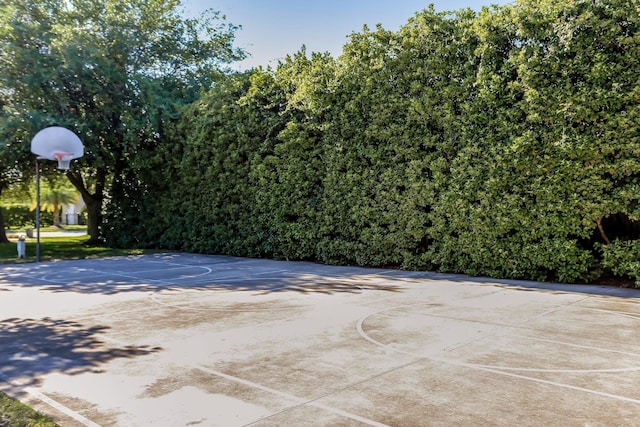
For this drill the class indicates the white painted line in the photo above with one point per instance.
(60, 407)
(367, 337)
(98, 273)
(53, 403)
(555, 371)
(503, 370)
(554, 383)
(568, 344)
(292, 397)
(633, 316)
(91, 279)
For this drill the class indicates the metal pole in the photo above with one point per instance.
(37, 210)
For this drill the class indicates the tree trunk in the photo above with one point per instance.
(93, 202)
(56, 216)
(3, 235)
(94, 220)
(601, 230)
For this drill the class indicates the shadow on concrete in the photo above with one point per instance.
(267, 285)
(175, 271)
(558, 288)
(305, 285)
(158, 272)
(32, 347)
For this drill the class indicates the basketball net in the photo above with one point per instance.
(64, 160)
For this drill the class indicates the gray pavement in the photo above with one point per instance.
(184, 340)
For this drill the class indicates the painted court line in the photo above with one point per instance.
(291, 397)
(633, 316)
(60, 407)
(539, 380)
(500, 370)
(51, 402)
(568, 344)
(98, 273)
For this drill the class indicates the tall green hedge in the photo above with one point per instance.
(21, 216)
(504, 143)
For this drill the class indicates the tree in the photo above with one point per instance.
(289, 173)
(393, 128)
(549, 163)
(113, 71)
(13, 154)
(504, 144)
(578, 69)
(53, 195)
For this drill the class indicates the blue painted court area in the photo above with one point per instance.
(181, 339)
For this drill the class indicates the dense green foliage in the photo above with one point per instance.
(21, 216)
(504, 143)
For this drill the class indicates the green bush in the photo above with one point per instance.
(504, 144)
(17, 216)
(622, 258)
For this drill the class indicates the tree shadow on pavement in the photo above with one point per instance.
(175, 272)
(179, 271)
(32, 347)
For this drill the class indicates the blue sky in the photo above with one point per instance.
(271, 29)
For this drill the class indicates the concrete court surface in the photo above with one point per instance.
(197, 340)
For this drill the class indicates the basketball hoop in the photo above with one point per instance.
(64, 160)
(59, 144)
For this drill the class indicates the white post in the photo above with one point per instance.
(21, 247)
(37, 209)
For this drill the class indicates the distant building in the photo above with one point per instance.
(71, 213)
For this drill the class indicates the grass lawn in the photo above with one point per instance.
(15, 414)
(55, 248)
(16, 231)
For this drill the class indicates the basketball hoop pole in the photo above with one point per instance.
(38, 209)
(38, 158)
